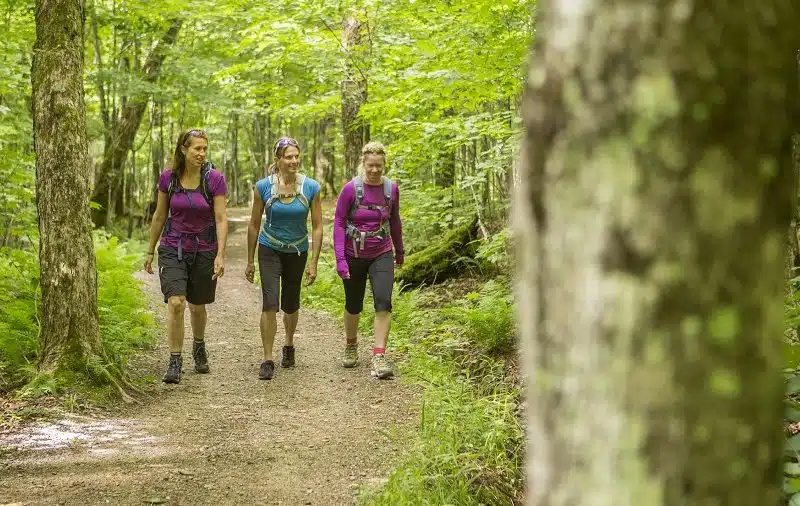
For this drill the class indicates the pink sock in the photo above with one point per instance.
(378, 351)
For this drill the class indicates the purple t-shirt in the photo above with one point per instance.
(367, 220)
(191, 214)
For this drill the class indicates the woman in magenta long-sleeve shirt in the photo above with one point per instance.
(364, 235)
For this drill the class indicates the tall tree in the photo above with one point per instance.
(656, 191)
(69, 329)
(354, 91)
(121, 132)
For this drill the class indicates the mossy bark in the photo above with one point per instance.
(355, 41)
(439, 261)
(68, 275)
(656, 191)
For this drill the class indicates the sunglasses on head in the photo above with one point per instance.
(195, 133)
(284, 142)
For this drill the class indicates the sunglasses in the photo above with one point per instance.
(194, 133)
(284, 142)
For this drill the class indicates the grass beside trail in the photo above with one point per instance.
(468, 447)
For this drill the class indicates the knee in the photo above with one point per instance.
(176, 303)
(383, 302)
(354, 308)
(197, 310)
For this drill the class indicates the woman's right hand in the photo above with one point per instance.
(148, 264)
(343, 269)
(250, 272)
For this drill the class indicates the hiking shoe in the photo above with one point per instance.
(350, 355)
(200, 357)
(173, 374)
(381, 368)
(287, 360)
(267, 370)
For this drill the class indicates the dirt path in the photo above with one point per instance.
(312, 435)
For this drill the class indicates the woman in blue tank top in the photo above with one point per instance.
(284, 199)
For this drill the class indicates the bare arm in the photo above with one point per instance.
(221, 217)
(156, 226)
(254, 226)
(159, 218)
(316, 229)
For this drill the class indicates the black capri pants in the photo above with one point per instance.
(281, 278)
(380, 271)
(188, 277)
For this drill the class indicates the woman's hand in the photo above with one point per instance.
(148, 264)
(311, 273)
(250, 272)
(219, 267)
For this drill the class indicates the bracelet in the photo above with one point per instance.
(150, 253)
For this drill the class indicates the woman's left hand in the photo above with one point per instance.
(311, 273)
(219, 267)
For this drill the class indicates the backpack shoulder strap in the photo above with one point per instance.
(299, 184)
(205, 174)
(387, 191)
(358, 186)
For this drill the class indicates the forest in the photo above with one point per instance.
(599, 302)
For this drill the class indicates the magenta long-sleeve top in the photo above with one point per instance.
(367, 220)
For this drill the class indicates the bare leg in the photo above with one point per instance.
(199, 317)
(176, 307)
(351, 326)
(289, 325)
(383, 322)
(269, 325)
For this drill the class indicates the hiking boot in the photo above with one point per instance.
(381, 368)
(267, 370)
(200, 357)
(173, 374)
(350, 355)
(287, 360)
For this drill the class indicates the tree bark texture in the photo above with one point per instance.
(656, 191)
(68, 276)
(124, 131)
(354, 93)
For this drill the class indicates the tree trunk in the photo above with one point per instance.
(235, 159)
(68, 276)
(354, 93)
(124, 131)
(156, 155)
(654, 199)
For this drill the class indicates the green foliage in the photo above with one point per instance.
(468, 449)
(125, 324)
(791, 484)
(19, 300)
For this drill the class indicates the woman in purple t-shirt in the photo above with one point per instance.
(191, 203)
(366, 226)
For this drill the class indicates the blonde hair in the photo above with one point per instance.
(371, 148)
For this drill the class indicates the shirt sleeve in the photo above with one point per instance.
(217, 184)
(343, 204)
(396, 225)
(163, 180)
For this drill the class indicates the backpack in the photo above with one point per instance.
(275, 196)
(358, 237)
(205, 191)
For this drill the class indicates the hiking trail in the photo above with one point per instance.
(311, 435)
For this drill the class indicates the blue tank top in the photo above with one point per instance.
(285, 226)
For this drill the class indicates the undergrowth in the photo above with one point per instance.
(125, 324)
(468, 446)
